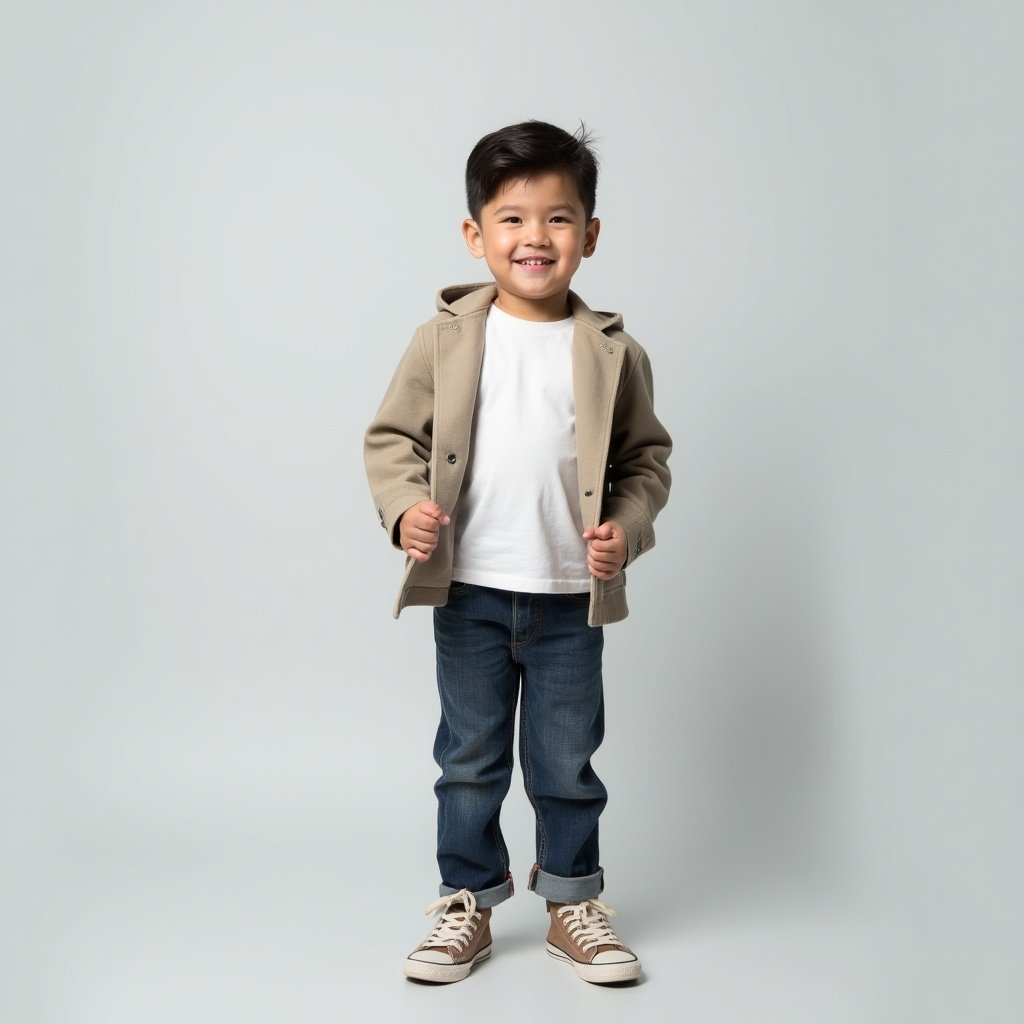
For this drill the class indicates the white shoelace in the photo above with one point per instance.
(454, 927)
(587, 924)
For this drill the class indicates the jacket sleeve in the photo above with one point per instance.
(638, 477)
(397, 446)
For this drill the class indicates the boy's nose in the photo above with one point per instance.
(539, 235)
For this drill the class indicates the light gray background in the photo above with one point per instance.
(220, 224)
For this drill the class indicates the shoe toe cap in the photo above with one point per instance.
(431, 956)
(613, 956)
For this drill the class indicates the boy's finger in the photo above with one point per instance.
(425, 531)
(421, 545)
(432, 509)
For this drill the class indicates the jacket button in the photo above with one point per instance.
(588, 494)
(451, 458)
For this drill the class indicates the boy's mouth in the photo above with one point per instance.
(534, 261)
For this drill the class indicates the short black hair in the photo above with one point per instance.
(525, 150)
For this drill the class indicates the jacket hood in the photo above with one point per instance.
(460, 299)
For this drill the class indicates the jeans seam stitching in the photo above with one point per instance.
(528, 775)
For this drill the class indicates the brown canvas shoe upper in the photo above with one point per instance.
(582, 932)
(460, 938)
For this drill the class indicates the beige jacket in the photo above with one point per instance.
(418, 445)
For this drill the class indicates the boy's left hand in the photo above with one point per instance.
(606, 549)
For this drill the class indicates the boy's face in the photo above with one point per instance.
(533, 234)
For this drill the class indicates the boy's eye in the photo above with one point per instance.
(512, 220)
(559, 219)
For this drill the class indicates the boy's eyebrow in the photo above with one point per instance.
(512, 208)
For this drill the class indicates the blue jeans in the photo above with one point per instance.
(494, 648)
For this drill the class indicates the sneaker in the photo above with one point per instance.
(460, 940)
(581, 936)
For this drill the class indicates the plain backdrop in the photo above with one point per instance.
(219, 225)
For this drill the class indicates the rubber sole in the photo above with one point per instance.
(443, 973)
(597, 974)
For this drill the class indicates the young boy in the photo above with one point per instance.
(517, 461)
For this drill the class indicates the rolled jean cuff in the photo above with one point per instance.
(566, 890)
(485, 897)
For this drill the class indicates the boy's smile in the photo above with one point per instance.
(533, 234)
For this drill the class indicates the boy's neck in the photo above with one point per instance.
(546, 310)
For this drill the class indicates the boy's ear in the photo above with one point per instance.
(590, 237)
(473, 238)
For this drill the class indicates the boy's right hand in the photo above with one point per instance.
(419, 528)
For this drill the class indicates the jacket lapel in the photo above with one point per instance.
(458, 355)
(596, 366)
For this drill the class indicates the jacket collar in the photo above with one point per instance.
(461, 299)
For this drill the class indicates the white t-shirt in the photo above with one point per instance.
(519, 523)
